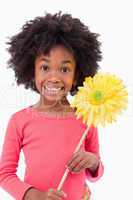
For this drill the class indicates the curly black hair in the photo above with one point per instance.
(41, 34)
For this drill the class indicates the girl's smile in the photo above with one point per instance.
(54, 74)
(52, 90)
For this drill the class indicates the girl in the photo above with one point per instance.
(51, 55)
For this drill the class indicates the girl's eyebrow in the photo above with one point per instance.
(64, 61)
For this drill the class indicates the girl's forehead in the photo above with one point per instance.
(58, 52)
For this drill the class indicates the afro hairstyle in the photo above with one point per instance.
(39, 35)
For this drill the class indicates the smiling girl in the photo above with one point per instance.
(51, 55)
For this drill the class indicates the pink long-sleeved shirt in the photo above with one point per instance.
(48, 144)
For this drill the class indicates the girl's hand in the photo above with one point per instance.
(51, 194)
(82, 160)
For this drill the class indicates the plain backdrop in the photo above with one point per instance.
(113, 21)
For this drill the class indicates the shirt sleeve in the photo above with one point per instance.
(12, 145)
(92, 145)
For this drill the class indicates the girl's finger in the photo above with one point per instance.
(74, 163)
(57, 194)
(72, 159)
(77, 154)
(81, 166)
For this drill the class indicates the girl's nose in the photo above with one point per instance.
(54, 80)
(54, 76)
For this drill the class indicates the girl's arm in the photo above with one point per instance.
(92, 145)
(9, 181)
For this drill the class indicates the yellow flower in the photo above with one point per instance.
(100, 99)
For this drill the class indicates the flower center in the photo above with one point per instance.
(97, 95)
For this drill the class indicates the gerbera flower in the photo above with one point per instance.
(100, 99)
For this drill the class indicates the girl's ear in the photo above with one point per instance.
(75, 79)
(73, 89)
(74, 82)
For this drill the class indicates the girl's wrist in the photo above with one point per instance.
(94, 168)
(28, 193)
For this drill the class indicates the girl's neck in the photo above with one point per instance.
(60, 108)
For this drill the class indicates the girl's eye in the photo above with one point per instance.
(65, 69)
(44, 67)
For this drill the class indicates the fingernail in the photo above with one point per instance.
(65, 195)
(67, 168)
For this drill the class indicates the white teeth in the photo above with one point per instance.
(52, 89)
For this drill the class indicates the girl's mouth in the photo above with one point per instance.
(48, 90)
(56, 89)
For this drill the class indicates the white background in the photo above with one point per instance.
(113, 20)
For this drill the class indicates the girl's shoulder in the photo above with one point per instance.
(21, 115)
(21, 112)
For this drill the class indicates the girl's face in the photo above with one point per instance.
(55, 73)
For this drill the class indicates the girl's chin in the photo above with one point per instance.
(51, 100)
